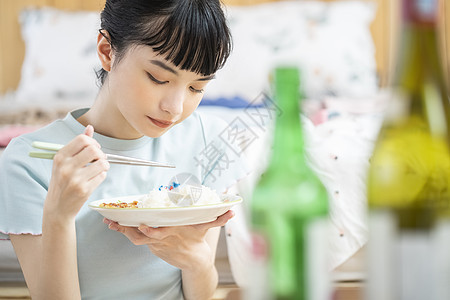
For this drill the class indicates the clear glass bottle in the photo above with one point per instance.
(289, 208)
(409, 177)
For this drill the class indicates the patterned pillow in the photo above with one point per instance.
(330, 42)
(60, 55)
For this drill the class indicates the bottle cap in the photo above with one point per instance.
(420, 11)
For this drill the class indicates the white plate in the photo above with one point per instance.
(165, 216)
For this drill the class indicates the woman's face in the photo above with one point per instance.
(151, 94)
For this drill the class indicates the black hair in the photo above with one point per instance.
(191, 34)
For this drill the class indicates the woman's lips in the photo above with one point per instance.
(161, 123)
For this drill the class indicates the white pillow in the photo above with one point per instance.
(330, 42)
(60, 55)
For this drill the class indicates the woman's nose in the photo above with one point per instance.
(173, 103)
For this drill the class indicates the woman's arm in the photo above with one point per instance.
(49, 262)
(28, 249)
(59, 270)
(200, 279)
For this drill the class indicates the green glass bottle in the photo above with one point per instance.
(409, 177)
(289, 207)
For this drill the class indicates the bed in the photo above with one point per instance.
(344, 49)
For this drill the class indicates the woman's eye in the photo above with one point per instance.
(196, 90)
(156, 80)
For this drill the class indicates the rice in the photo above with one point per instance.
(186, 195)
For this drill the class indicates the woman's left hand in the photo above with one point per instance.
(183, 247)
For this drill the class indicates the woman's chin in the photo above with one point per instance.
(155, 133)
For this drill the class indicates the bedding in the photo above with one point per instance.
(338, 151)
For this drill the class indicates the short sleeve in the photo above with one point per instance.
(23, 188)
(222, 157)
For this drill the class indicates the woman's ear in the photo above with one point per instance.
(104, 50)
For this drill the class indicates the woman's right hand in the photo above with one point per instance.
(78, 169)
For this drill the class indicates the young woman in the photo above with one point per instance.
(157, 58)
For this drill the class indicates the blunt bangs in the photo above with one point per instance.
(191, 37)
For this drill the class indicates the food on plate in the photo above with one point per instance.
(174, 195)
(133, 204)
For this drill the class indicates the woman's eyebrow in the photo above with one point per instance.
(206, 78)
(164, 66)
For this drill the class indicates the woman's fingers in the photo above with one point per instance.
(220, 221)
(90, 153)
(149, 235)
(94, 182)
(132, 233)
(83, 149)
(162, 232)
(89, 131)
(91, 171)
(76, 146)
(74, 177)
(91, 176)
(157, 233)
(80, 142)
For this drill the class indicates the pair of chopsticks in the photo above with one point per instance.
(112, 158)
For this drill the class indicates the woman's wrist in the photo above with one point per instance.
(55, 214)
(201, 255)
(200, 269)
(54, 219)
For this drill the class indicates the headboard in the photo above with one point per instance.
(12, 46)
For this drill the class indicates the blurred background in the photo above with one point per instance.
(344, 49)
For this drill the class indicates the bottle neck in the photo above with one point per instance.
(418, 52)
(423, 12)
(418, 57)
(419, 71)
(288, 129)
(288, 136)
(419, 37)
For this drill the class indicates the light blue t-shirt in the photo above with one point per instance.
(109, 265)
